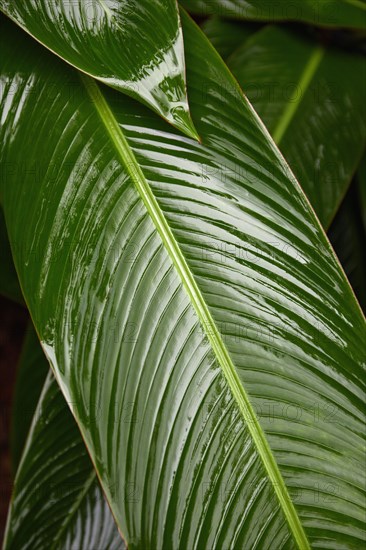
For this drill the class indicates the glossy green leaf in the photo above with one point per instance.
(328, 13)
(122, 43)
(192, 309)
(227, 36)
(311, 99)
(57, 502)
(31, 375)
(9, 285)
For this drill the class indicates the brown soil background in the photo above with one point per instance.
(13, 322)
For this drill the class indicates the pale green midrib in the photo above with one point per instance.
(356, 3)
(89, 481)
(295, 100)
(130, 163)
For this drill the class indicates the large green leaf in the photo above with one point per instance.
(329, 13)
(57, 501)
(31, 375)
(311, 99)
(123, 43)
(193, 311)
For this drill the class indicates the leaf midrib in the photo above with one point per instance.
(293, 103)
(357, 3)
(132, 167)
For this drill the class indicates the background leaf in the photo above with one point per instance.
(123, 43)
(361, 189)
(330, 13)
(227, 36)
(311, 99)
(57, 501)
(31, 375)
(145, 236)
(347, 235)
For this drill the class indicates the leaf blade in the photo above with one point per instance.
(32, 366)
(343, 13)
(311, 99)
(227, 36)
(347, 235)
(56, 492)
(96, 38)
(209, 326)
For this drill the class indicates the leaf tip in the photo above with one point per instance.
(182, 120)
